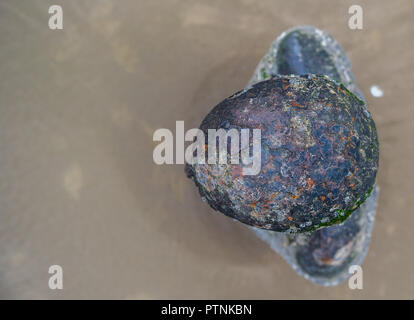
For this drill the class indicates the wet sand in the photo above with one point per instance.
(79, 187)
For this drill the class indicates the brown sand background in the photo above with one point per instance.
(78, 186)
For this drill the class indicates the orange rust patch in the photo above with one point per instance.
(326, 260)
(273, 195)
(295, 104)
(340, 89)
(301, 189)
(310, 183)
(350, 135)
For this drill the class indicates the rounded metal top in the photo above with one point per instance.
(319, 155)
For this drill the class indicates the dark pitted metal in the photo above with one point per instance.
(300, 53)
(319, 155)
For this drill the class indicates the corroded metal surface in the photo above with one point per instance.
(319, 155)
(325, 255)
